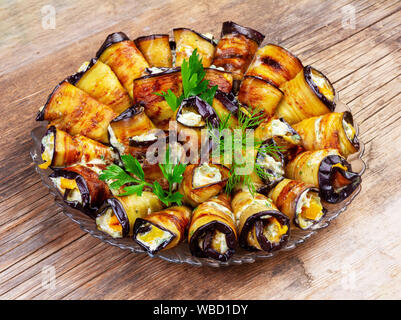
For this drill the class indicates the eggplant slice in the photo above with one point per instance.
(332, 130)
(226, 105)
(299, 201)
(260, 224)
(81, 188)
(274, 64)
(309, 94)
(156, 50)
(117, 215)
(59, 149)
(212, 232)
(327, 170)
(236, 48)
(74, 111)
(124, 58)
(162, 230)
(220, 78)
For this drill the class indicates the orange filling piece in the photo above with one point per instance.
(68, 183)
(313, 211)
(115, 224)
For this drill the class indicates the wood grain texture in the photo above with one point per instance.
(358, 256)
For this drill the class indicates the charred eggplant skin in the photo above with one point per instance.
(230, 27)
(308, 77)
(111, 39)
(204, 109)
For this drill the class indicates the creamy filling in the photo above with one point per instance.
(219, 242)
(47, 154)
(153, 237)
(323, 85)
(309, 209)
(154, 70)
(108, 223)
(317, 129)
(62, 184)
(272, 166)
(144, 137)
(190, 119)
(217, 68)
(205, 175)
(114, 141)
(279, 128)
(273, 230)
(83, 66)
(349, 130)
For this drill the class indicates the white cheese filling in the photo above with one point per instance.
(73, 195)
(190, 119)
(348, 130)
(279, 128)
(114, 141)
(144, 137)
(205, 175)
(219, 242)
(48, 144)
(268, 162)
(152, 242)
(103, 224)
(304, 202)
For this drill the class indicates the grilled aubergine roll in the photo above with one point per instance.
(59, 149)
(187, 40)
(124, 58)
(202, 182)
(332, 130)
(309, 94)
(220, 78)
(326, 170)
(156, 107)
(156, 50)
(260, 225)
(81, 187)
(117, 215)
(299, 201)
(132, 132)
(212, 232)
(236, 48)
(269, 166)
(275, 64)
(74, 111)
(226, 105)
(261, 94)
(162, 230)
(101, 83)
(192, 116)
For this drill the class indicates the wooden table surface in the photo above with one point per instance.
(355, 43)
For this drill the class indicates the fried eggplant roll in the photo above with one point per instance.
(162, 230)
(226, 105)
(132, 132)
(117, 215)
(261, 94)
(156, 50)
(282, 133)
(192, 116)
(275, 64)
(59, 149)
(202, 181)
(81, 187)
(212, 232)
(332, 130)
(187, 40)
(299, 201)
(156, 107)
(220, 78)
(309, 94)
(101, 83)
(261, 225)
(74, 111)
(269, 165)
(327, 170)
(124, 58)
(236, 48)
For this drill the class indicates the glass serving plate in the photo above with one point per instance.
(181, 253)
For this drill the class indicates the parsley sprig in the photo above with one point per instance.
(135, 182)
(193, 83)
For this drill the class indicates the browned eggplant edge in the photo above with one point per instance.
(207, 251)
(150, 37)
(152, 75)
(295, 219)
(210, 184)
(41, 113)
(268, 185)
(204, 109)
(73, 79)
(287, 51)
(119, 212)
(51, 129)
(263, 242)
(110, 40)
(82, 187)
(138, 228)
(230, 27)
(228, 100)
(347, 117)
(308, 78)
(326, 173)
(264, 80)
(199, 34)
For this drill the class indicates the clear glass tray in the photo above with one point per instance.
(181, 253)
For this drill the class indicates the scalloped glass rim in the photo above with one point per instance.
(181, 253)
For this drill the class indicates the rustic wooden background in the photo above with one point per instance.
(358, 256)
